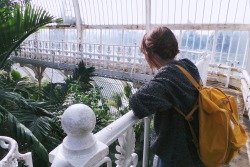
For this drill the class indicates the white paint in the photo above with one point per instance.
(13, 155)
(80, 148)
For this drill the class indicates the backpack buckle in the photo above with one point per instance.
(189, 118)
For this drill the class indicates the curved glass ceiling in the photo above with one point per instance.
(132, 12)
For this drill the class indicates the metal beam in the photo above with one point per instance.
(122, 75)
(238, 27)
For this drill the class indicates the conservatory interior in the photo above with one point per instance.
(57, 55)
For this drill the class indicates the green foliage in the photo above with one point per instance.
(22, 86)
(24, 119)
(16, 75)
(17, 23)
(15, 128)
(127, 89)
(91, 98)
(116, 100)
(83, 76)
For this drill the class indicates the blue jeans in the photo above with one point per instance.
(160, 163)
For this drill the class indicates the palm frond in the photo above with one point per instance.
(51, 141)
(16, 25)
(13, 98)
(24, 135)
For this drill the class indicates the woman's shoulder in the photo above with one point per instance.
(172, 70)
(185, 63)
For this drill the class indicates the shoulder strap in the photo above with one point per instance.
(189, 116)
(189, 76)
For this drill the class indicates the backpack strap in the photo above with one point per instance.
(189, 118)
(189, 76)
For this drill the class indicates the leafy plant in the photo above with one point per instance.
(16, 75)
(83, 76)
(91, 98)
(17, 22)
(127, 89)
(116, 100)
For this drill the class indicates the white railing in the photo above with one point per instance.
(225, 74)
(116, 61)
(13, 156)
(124, 62)
(245, 89)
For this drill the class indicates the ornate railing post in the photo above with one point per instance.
(13, 156)
(121, 129)
(80, 148)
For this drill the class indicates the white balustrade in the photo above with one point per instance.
(245, 89)
(116, 61)
(80, 147)
(202, 66)
(13, 156)
(83, 149)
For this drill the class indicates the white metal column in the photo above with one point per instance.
(247, 61)
(78, 20)
(148, 15)
(146, 120)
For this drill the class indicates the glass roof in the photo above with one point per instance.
(132, 12)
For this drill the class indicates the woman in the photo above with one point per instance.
(171, 139)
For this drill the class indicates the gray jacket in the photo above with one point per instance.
(171, 139)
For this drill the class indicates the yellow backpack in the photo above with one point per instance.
(220, 133)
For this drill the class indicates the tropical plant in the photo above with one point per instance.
(17, 22)
(118, 98)
(127, 89)
(16, 75)
(83, 75)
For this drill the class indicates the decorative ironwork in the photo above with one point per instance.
(119, 50)
(129, 52)
(73, 47)
(108, 50)
(126, 148)
(10, 160)
(59, 46)
(99, 49)
(52, 45)
(80, 48)
(90, 48)
(65, 46)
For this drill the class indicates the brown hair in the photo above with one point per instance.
(160, 41)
